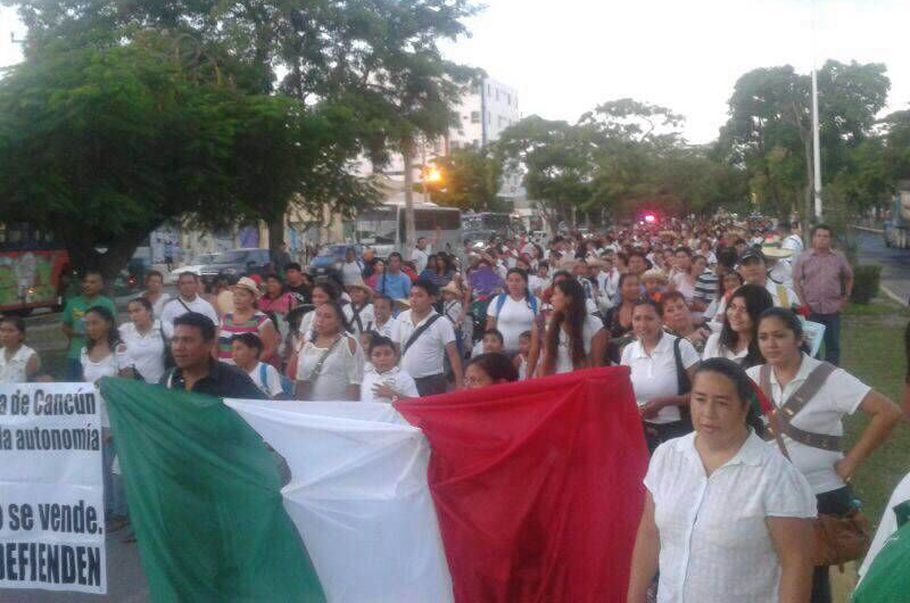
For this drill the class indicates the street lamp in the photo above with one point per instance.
(431, 175)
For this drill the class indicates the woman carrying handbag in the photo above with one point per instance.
(807, 401)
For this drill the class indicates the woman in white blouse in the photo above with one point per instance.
(738, 337)
(726, 518)
(657, 377)
(330, 364)
(104, 354)
(18, 362)
(827, 469)
(573, 339)
(513, 312)
(144, 341)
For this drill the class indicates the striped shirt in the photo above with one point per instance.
(229, 328)
(706, 286)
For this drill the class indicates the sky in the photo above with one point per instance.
(566, 57)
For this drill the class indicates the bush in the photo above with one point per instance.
(865, 283)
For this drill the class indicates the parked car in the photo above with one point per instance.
(327, 264)
(237, 263)
(203, 259)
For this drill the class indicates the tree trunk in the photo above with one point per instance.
(407, 152)
(83, 255)
(276, 236)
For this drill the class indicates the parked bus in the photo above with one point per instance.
(485, 226)
(383, 228)
(32, 269)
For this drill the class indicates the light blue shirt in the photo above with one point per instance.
(396, 286)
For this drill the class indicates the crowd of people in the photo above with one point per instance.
(713, 318)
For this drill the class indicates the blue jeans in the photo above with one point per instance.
(832, 335)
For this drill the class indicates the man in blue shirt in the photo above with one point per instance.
(394, 283)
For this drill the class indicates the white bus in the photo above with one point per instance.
(383, 228)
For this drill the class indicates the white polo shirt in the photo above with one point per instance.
(654, 375)
(179, 306)
(714, 349)
(426, 355)
(841, 395)
(397, 379)
(716, 545)
(386, 330)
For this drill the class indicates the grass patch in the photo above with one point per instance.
(872, 349)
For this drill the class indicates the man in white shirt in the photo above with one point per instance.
(424, 338)
(419, 256)
(188, 300)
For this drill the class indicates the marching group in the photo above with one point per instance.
(722, 326)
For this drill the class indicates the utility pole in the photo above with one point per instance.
(816, 152)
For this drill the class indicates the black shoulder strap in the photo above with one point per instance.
(682, 377)
(420, 330)
(185, 307)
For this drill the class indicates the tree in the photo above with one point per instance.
(103, 145)
(769, 130)
(557, 160)
(470, 180)
(374, 63)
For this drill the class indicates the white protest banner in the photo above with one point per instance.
(51, 488)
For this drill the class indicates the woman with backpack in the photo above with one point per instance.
(813, 398)
(513, 312)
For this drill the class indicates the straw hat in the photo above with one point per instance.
(359, 284)
(248, 284)
(402, 304)
(452, 288)
(654, 274)
(773, 252)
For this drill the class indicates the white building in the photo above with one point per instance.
(485, 112)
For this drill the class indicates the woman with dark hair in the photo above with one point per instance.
(678, 320)
(330, 364)
(18, 362)
(811, 422)
(573, 339)
(618, 319)
(377, 269)
(661, 367)
(513, 312)
(738, 338)
(439, 269)
(104, 355)
(729, 282)
(144, 339)
(489, 369)
(276, 299)
(323, 292)
(749, 537)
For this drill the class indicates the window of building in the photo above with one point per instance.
(475, 117)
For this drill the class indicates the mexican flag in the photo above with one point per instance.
(528, 491)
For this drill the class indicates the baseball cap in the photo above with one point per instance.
(751, 254)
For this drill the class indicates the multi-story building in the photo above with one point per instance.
(485, 112)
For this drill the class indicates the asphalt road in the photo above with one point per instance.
(895, 263)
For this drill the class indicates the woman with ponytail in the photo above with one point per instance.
(747, 534)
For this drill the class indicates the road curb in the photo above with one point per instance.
(894, 296)
(867, 229)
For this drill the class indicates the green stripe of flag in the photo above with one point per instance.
(204, 499)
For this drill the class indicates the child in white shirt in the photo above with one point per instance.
(384, 381)
(245, 350)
